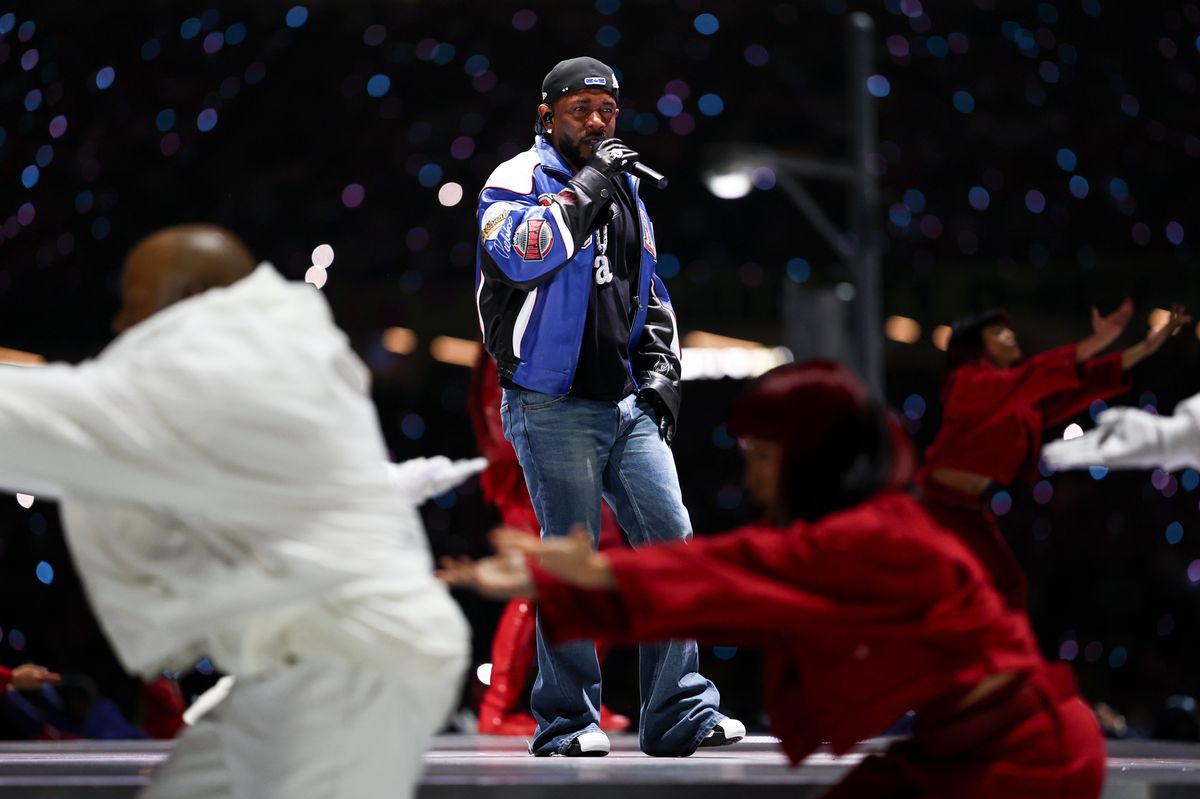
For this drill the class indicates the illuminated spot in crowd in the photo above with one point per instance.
(412, 426)
(900, 215)
(25, 500)
(429, 175)
(1066, 160)
(378, 85)
(16, 639)
(44, 572)
(1118, 188)
(170, 144)
(1048, 71)
(978, 198)
(1140, 232)
(915, 200)
(1174, 533)
(757, 56)
(608, 36)
(101, 227)
(1001, 503)
(462, 148)
(1068, 650)
(964, 102)
(706, 24)
(1035, 201)
(1043, 492)
(762, 178)
(724, 652)
(29, 59)
(914, 406)
(206, 120)
(33, 100)
(316, 275)
(30, 176)
(45, 156)
(58, 126)
(1117, 657)
(669, 105)
(213, 42)
(524, 20)
(484, 673)
(296, 16)
(1189, 480)
(1098, 472)
(25, 214)
(1174, 233)
(1078, 186)
(1159, 479)
(151, 49)
(897, 46)
(190, 28)
(7, 22)
(322, 255)
(879, 86)
(204, 666)
(235, 34)
(799, 270)
(450, 194)
(931, 226)
(668, 266)
(1193, 571)
(353, 195)
(476, 65)
(165, 120)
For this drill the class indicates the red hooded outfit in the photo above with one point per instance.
(992, 425)
(867, 611)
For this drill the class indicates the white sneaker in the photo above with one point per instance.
(589, 744)
(729, 731)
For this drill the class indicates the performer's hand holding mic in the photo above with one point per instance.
(613, 155)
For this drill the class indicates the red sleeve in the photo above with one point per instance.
(995, 392)
(1099, 378)
(5, 678)
(755, 585)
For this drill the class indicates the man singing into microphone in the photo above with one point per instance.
(587, 350)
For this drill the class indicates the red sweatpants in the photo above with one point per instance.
(972, 521)
(1040, 742)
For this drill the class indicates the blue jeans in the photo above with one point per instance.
(575, 452)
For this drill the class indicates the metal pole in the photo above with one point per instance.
(864, 203)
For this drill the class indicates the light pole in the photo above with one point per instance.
(729, 175)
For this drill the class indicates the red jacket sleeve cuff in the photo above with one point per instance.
(568, 613)
(5, 678)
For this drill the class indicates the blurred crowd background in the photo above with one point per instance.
(1040, 156)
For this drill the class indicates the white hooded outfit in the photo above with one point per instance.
(1128, 438)
(226, 493)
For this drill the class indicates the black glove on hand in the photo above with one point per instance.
(666, 422)
(612, 156)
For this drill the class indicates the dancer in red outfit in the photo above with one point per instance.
(864, 607)
(503, 485)
(995, 408)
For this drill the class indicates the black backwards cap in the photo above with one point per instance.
(578, 74)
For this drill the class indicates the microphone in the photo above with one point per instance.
(655, 178)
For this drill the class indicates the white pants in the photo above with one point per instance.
(315, 730)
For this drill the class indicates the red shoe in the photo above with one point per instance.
(493, 722)
(613, 722)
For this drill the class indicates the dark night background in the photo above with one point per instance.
(1039, 156)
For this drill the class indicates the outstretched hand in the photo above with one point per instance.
(1158, 335)
(1108, 328)
(30, 677)
(497, 577)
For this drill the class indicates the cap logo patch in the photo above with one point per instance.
(595, 82)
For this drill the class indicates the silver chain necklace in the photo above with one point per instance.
(603, 272)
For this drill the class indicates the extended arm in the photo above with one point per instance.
(1128, 438)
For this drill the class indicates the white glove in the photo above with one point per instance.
(421, 479)
(1128, 438)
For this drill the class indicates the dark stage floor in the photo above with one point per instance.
(474, 766)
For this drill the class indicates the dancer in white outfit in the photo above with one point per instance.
(226, 493)
(1129, 438)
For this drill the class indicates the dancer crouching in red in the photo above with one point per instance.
(995, 408)
(503, 485)
(864, 607)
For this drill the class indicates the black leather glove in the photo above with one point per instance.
(612, 156)
(666, 422)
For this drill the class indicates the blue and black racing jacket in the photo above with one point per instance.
(534, 272)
